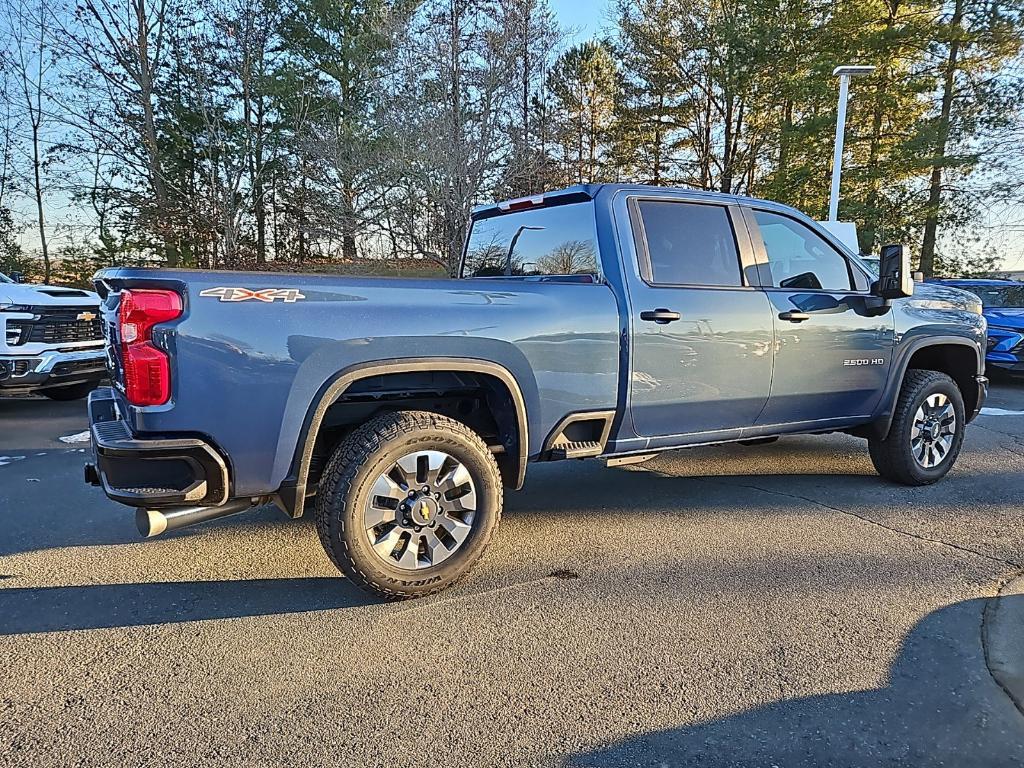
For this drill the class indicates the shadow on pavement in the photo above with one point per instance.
(940, 707)
(59, 609)
(589, 488)
(45, 504)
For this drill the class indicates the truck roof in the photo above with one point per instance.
(590, 191)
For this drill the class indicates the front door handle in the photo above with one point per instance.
(660, 315)
(794, 316)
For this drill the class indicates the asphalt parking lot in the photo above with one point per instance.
(777, 605)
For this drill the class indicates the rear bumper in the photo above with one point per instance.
(51, 369)
(150, 472)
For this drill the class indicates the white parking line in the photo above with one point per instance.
(5, 460)
(1000, 412)
(78, 437)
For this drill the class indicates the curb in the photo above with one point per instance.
(1003, 638)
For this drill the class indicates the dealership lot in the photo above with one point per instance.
(730, 605)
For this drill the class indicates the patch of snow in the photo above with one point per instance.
(1000, 412)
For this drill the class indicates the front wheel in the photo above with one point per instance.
(927, 431)
(408, 503)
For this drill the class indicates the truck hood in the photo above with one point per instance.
(1006, 317)
(46, 295)
(959, 299)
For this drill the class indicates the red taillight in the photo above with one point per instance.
(147, 370)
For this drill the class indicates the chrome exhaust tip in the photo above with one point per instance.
(153, 522)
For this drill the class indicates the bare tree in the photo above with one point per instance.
(454, 128)
(30, 60)
(120, 50)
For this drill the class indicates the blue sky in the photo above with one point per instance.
(583, 18)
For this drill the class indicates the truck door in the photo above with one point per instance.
(701, 356)
(832, 349)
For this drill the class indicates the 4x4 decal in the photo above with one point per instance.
(288, 295)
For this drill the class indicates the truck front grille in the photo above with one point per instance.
(57, 325)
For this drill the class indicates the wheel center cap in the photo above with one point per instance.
(424, 510)
(935, 431)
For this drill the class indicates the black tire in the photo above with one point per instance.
(72, 392)
(360, 460)
(894, 457)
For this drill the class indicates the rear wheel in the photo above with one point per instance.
(408, 503)
(73, 392)
(927, 431)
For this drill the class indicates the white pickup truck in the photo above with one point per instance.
(51, 340)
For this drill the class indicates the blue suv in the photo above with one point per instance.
(1003, 307)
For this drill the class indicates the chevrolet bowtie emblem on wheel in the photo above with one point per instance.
(86, 316)
(288, 295)
(424, 510)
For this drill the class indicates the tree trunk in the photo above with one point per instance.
(38, 189)
(931, 224)
(782, 172)
(348, 223)
(160, 197)
(656, 176)
(869, 234)
(725, 184)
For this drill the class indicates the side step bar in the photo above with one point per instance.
(577, 450)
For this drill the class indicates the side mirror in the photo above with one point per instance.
(17, 277)
(894, 278)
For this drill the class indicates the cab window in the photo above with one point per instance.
(559, 240)
(689, 244)
(800, 259)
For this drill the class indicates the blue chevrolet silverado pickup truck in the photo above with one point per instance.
(610, 321)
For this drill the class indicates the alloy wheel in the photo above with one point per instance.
(420, 510)
(933, 430)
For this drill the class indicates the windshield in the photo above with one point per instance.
(560, 240)
(998, 296)
(4, 278)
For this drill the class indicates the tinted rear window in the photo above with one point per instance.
(560, 240)
(690, 244)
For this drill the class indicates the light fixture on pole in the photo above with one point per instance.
(844, 73)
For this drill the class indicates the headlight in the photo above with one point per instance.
(13, 308)
(932, 304)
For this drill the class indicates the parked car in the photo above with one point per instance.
(1002, 304)
(607, 321)
(51, 340)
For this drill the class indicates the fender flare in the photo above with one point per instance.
(292, 493)
(883, 420)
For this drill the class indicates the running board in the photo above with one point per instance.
(625, 461)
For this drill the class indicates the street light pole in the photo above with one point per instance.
(844, 73)
(512, 246)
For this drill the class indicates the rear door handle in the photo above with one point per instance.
(794, 316)
(660, 315)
